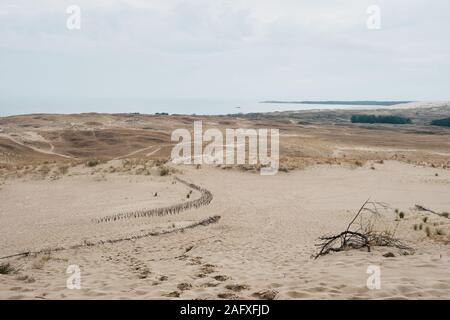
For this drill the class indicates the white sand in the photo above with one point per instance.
(264, 240)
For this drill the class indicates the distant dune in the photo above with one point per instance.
(98, 191)
(350, 103)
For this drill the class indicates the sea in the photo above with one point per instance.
(151, 106)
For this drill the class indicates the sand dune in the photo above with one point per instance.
(96, 191)
(261, 247)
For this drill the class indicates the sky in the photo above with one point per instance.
(216, 50)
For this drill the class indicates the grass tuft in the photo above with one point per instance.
(428, 231)
(92, 163)
(164, 171)
(6, 268)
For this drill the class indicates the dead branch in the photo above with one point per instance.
(422, 208)
(362, 235)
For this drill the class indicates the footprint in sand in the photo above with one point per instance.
(173, 294)
(266, 294)
(200, 275)
(184, 286)
(163, 278)
(210, 285)
(221, 278)
(139, 267)
(237, 287)
(208, 268)
(195, 261)
(228, 296)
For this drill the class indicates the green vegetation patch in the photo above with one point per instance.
(441, 122)
(370, 118)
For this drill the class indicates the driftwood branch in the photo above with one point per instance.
(362, 235)
(422, 208)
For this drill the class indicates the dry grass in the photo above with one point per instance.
(64, 169)
(92, 163)
(364, 231)
(6, 268)
(266, 294)
(164, 171)
(44, 170)
(26, 278)
(358, 163)
(428, 231)
(40, 261)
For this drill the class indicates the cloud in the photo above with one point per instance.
(253, 49)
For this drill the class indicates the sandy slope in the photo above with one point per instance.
(263, 241)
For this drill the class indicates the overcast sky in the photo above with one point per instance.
(216, 49)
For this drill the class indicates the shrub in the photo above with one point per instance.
(401, 215)
(359, 163)
(369, 118)
(92, 163)
(40, 260)
(441, 122)
(44, 170)
(6, 268)
(164, 171)
(25, 278)
(63, 169)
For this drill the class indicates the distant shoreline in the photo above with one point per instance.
(353, 103)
